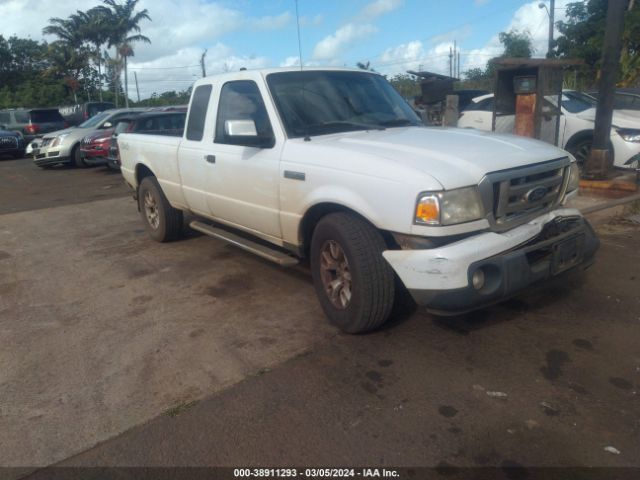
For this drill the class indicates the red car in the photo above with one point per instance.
(94, 148)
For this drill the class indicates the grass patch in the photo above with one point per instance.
(180, 408)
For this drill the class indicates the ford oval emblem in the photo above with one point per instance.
(536, 194)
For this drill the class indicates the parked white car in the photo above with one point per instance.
(576, 125)
(332, 165)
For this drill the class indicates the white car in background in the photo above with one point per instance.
(576, 125)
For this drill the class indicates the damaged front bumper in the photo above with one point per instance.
(489, 267)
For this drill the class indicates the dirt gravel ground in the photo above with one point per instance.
(120, 351)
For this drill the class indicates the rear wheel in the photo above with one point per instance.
(161, 220)
(354, 283)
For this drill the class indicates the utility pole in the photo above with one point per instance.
(598, 162)
(450, 63)
(135, 75)
(204, 71)
(552, 9)
(458, 76)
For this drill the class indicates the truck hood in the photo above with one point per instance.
(454, 157)
(620, 119)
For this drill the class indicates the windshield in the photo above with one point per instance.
(576, 102)
(321, 102)
(95, 121)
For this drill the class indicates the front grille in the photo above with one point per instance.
(521, 193)
(8, 142)
(45, 142)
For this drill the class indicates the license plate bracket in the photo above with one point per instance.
(567, 254)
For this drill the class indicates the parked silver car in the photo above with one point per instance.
(63, 146)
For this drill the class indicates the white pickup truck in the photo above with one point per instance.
(333, 166)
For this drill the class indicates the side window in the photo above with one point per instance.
(198, 113)
(241, 100)
(4, 118)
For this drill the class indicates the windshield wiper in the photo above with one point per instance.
(366, 126)
(398, 122)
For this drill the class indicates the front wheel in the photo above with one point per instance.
(354, 283)
(581, 150)
(76, 158)
(162, 222)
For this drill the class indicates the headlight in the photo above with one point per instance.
(58, 140)
(449, 208)
(630, 134)
(574, 177)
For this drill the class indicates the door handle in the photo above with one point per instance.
(210, 158)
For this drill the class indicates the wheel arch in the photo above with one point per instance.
(578, 137)
(584, 135)
(319, 210)
(141, 172)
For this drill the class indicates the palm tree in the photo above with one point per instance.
(96, 30)
(67, 53)
(124, 20)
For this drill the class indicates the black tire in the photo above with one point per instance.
(371, 285)
(18, 155)
(581, 150)
(169, 219)
(76, 158)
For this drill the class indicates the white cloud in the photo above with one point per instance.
(290, 62)
(333, 45)
(379, 7)
(161, 74)
(271, 22)
(458, 34)
(311, 21)
(410, 56)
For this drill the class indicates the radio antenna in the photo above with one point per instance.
(299, 42)
(307, 138)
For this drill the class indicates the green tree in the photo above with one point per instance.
(124, 20)
(68, 54)
(96, 31)
(516, 44)
(406, 85)
(582, 36)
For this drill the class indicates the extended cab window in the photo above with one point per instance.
(198, 112)
(240, 104)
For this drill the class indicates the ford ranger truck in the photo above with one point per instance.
(333, 166)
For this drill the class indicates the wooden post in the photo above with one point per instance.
(598, 162)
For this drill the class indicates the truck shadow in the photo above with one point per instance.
(517, 307)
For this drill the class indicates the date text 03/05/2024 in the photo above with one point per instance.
(315, 473)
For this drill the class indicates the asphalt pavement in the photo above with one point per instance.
(123, 352)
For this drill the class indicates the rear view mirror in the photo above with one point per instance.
(244, 133)
(107, 125)
(240, 128)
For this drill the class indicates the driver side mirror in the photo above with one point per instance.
(245, 133)
(107, 125)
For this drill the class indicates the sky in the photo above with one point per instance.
(393, 35)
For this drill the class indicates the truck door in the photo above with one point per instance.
(194, 153)
(244, 180)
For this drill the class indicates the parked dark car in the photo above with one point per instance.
(11, 143)
(76, 114)
(624, 98)
(32, 122)
(158, 123)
